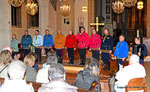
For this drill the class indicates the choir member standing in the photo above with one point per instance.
(121, 51)
(48, 41)
(95, 44)
(14, 45)
(83, 39)
(37, 43)
(140, 50)
(59, 45)
(106, 49)
(71, 44)
(26, 42)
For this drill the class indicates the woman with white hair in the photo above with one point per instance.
(5, 59)
(56, 73)
(15, 83)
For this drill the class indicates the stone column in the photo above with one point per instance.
(148, 18)
(5, 25)
(43, 15)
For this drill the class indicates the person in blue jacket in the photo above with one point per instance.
(14, 45)
(121, 51)
(48, 41)
(26, 42)
(107, 44)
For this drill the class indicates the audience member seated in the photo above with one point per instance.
(42, 75)
(31, 73)
(5, 59)
(90, 74)
(15, 83)
(36, 61)
(56, 73)
(133, 70)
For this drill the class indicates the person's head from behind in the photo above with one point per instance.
(29, 60)
(133, 59)
(121, 38)
(51, 58)
(34, 54)
(137, 40)
(94, 67)
(5, 57)
(16, 70)
(56, 72)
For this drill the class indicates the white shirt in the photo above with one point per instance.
(129, 72)
(16, 86)
(42, 75)
(57, 86)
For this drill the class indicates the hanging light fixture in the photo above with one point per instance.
(129, 3)
(118, 7)
(65, 9)
(140, 5)
(16, 3)
(31, 7)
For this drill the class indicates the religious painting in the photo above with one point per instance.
(107, 9)
(107, 1)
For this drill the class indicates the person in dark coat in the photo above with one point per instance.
(106, 48)
(89, 75)
(139, 49)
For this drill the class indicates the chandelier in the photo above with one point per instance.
(65, 9)
(140, 5)
(16, 3)
(129, 3)
(31, 7)
(118, 7)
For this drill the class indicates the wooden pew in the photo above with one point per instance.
(36, 86)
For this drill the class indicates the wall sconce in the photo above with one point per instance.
(84, 9)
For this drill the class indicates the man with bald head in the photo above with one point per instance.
(133, 70)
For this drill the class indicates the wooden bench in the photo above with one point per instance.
(36, 86)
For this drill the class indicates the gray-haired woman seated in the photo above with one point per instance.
(89, 75)
(15, 82)
(56, 74)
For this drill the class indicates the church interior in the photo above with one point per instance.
(131, 19)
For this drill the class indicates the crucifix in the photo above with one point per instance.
(97, 24)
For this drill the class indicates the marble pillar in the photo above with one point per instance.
(43, 15)
(5, 25)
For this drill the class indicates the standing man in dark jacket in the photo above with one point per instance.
(106, 49)
(139, 49)
(26, 42)
(48, 41)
